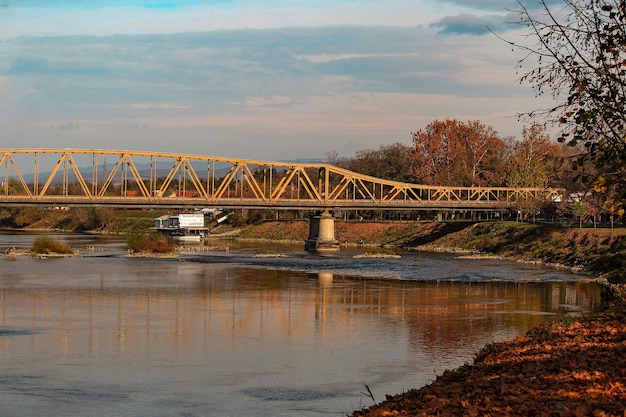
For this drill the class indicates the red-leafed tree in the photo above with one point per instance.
(450, 152)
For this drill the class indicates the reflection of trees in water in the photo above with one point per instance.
(456, 315)
(224, 306)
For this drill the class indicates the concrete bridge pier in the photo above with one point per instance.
(322, 234)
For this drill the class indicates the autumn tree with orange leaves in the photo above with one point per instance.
(450, 152)
(533, 160)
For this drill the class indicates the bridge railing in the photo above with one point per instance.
(129, 178)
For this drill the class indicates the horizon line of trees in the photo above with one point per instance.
(450, 152)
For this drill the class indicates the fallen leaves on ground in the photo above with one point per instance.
(570, 368)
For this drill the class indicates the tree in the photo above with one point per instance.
(450, 152)
(333, 158)
(580, 210)
(533, 159)
(580, 54)
(390, 162)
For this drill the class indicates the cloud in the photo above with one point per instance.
(268, 101)
(469, 24)
(101, 4)
(162, 106)
(500, 5)
(259, 93)
(207, 71)
(100, 18)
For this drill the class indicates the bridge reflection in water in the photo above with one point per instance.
(240, 304)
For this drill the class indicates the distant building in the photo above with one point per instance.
(182, 226)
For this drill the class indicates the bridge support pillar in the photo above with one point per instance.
(322, 234)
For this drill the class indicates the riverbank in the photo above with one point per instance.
(600, 252)
(569, 368)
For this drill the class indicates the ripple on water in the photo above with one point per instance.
(288, 394)
(16, 332)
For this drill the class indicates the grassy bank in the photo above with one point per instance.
(599, 251)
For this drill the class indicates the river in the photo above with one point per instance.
(260, 330)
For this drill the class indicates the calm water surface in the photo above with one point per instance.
(236, 334)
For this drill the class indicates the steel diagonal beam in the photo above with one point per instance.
(309, 186)
(221, 189)
(254, 185)
(111, 176)
(360, 187)
(494, 196)
(408, 193)
(339, 189)
(397, 193)
(384, 194)
(439, 193)
(195, 179)
(137, 176)
(454, 195)
(45, 187)
(79, 176)
(346, 179)
(6, 158)
(284, 182)
(477, 194)
(364, 191)
(412, 192)
(169, 177)
(391, 196)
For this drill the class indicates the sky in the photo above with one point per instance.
(254, 79)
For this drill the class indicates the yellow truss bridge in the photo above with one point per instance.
(88, 177)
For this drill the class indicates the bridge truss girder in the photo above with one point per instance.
(145, 179)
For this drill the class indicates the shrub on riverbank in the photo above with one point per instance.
(150, 242)
(45, 245)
